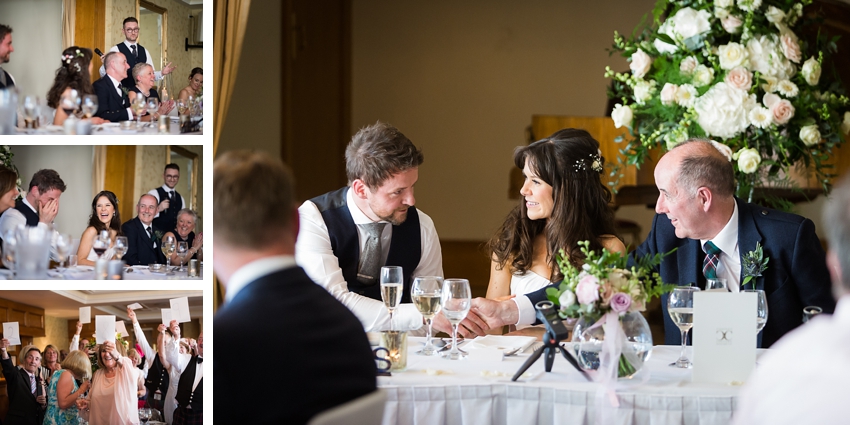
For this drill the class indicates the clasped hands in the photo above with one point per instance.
(484, 315)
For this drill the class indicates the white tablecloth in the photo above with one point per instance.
(462, 394)
(87, 273)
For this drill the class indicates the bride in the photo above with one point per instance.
(104, 216)
(563, 202)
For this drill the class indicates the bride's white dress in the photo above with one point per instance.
(525, 283)
(106, 255)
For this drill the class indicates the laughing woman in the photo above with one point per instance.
(563, 202)
(104, 216)
(185, 232)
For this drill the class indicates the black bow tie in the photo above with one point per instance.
(199, 359)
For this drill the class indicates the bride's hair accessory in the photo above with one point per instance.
(68, 58)
(593, 162)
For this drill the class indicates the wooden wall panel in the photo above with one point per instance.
(90, 29)
(120, 178)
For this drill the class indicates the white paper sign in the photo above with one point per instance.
(104, 328)
(180, 310)
(85, 315)
(724, 337)
(166, 317)
(119, 327)
(12, 333)
(135, 306)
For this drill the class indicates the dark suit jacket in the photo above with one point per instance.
(23, 409)
(319, 346)
(796, 274)
(140, 250)
(110, 106)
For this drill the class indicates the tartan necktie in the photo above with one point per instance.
(712, 260)
(370, 258)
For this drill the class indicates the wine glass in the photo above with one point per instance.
(30, 110)
(680, 305)
(70, 102)
(152, 107)
(456, 299)
(89, 105)
(761, 308)
(9, 244)
(168, 246)
(144, 414)
(101, 243)
(63, 249)
(716, 285)
(426, 292)
(391, 288)
(138, 106)
(121, 246)
(182, 252)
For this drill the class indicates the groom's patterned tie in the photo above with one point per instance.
(370, 258)
(712, 260)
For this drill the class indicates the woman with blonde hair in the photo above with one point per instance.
(64, 389)
(114, 389)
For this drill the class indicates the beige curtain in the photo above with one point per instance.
(229, 22)
(98, 170)
(69, 8)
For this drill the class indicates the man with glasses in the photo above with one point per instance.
(169, 202)
(135, 53)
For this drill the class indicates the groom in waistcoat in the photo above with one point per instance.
(169, 201)
(347, 235)
(6, 49)
(38, 207)
(135, 53)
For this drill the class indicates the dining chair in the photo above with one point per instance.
(365, 410)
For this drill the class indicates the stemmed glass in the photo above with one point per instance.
(63, 249)
(391, 288)
(30, 110)
(101, 243)
(9, 244)
(89, 105)
(144, 414)
(182, 252)
(761, 308)
(717, 285)
(168, 247)
(426, 293)
(138, 106)
(456, 300)
(121, 246)
(70, 102)
(152, 107)
(680, 305)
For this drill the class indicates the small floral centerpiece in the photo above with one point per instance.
(737, 72)
(601, 294)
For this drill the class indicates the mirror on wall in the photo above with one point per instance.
(188, 183)
(153, 22)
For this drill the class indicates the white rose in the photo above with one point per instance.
(761, 117)
(810, 135)
(684, 24)
(703, 75)
(771, 83)
(725, 150)
(688, 65)
(567, 299)
(766, 57)
(731, 23)
(748, 160)
(686, 95)
(643, 91)
(845, 126)
(749, 5)
(732, 55)
(724, 3)
(739, 78)
(811, 71)
(774, 15)
(723, 110)
(622, 116)
(790, 48)
(641, 62)
(720, 12)
(668, 93)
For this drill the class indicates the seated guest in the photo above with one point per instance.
(8, 189)
(196, 84)
(40, 205)
(143, 238)
(23, 386)
(74, 74)
(563, 202)
(146, 87)
(6, 49)
(66, 386)
(185, 232)
(267, 290)
(802, 378)
(104, 216)
(112, 101)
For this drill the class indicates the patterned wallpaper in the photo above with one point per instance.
(56, 333)
(150, 162)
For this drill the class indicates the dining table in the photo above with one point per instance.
(130, 273)
(115, 128)
(478, 390)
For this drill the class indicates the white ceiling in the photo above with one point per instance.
(66, 304)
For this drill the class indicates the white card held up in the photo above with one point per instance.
(12, 333)
(135, 306)
(724, 337)
(180, 310)
(166, 316)
(120, 327)
(104, 328)
(85, 314)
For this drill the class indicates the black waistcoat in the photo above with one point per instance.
(128, 82)
(157, 378)
(9, 83)
(405, 247)
(167, 220)
(185, 396)
(29, 214)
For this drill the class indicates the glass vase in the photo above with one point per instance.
(588, 339)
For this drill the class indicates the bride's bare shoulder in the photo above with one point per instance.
(612, 243)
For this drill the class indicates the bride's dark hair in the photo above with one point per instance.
(571, 163)
(73, 73)
(115, 223)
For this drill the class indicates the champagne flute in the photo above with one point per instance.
(138, 106)
(182, 252)
(63, 249)
(391, 288)
(426, 293)
(168, 247)
(456, 299)
(716, 285)
(761, 308)
(680, 305)
(121, 246)
(89, 105)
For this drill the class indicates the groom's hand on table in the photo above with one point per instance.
(495, 313)
(470, 327)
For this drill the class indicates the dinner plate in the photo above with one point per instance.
(504, 342)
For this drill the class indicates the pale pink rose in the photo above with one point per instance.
(587, 290)
(641, 62)
(782, 111)
(739, 78)
(668, 93)
(688, 65)
(620, 302)
(731, 23)
(790, 48)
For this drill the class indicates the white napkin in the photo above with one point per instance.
(503, 342)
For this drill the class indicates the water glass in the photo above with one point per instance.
(63, 248)
(32, 253)
(761, 308)
(121, 246)
(426, 293)
(716, 285)
(680, 306)
(72, 261)
(391, 288)
(456, 299)
(89, 105)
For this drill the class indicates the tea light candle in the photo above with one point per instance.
(115, 270)
(193, 268)
(164, 124)
(100, 269)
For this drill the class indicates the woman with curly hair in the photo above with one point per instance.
(563, 202)
(104, 216)
(72, 75)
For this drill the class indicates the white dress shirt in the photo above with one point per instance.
(149, 61)
(314, 253)
(803, 377)
(12, 218)
(167, 189)
(120, 92)
(730, 259)
(150, 354)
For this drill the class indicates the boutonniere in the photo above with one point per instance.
(157, 235)
(125, 91)
(754, 263)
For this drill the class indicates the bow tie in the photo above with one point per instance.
(199, 359)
